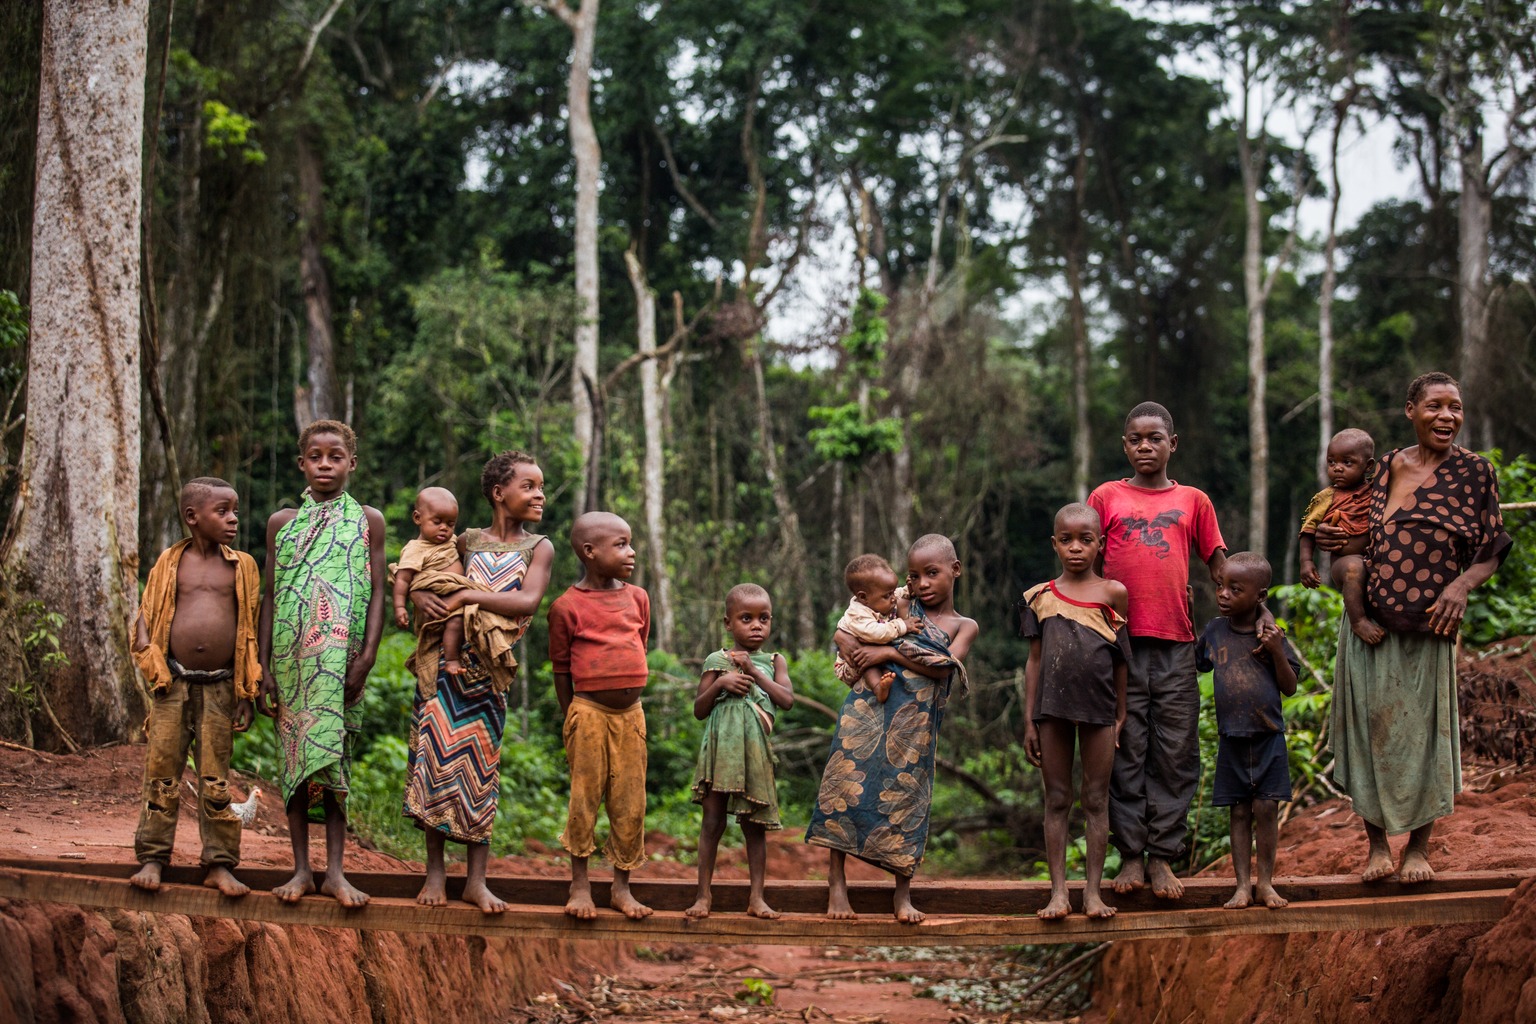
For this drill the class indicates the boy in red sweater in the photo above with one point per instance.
(597, 636)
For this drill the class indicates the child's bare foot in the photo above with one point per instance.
(296, 888)
(883, 687)
(1165, 884)
(906, 913)
(1367, 630)
(347, 894)
(434, 891)
(1272, 899)
(148, 876)
(1415, 867)
(626, 904)
(579, 905)
(479, 895)
(219, 878)
(1058, 908)
(1241, 897)
(758, 907)
(700, 907)
(1095, 907)
(1378, 865)
(838, 907)
(1132, 876)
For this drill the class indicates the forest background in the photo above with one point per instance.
(913, 262)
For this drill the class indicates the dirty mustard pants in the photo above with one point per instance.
(606, 751)
(186, 716)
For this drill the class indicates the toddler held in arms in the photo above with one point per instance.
(871, 619)
(1346, 503)
(432, 551)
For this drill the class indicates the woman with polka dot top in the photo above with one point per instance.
(1435, 533)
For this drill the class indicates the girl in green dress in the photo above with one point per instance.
(738, 693)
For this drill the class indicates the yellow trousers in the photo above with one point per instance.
(606, 751)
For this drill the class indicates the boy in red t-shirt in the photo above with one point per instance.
(597, 635)
(1151, 526)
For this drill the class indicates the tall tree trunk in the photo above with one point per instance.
(1325, 301)
(319, 397)
(72, 542)
(1254, 292)
(795, 557)
(1077, 246)
(654, 484)
(1474, 222)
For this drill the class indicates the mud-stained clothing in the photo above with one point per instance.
(1247, 694)
(1080, 644)
(1350, 511)
(598, 637)
(1157, 765)
(735, 756)
(606, 750)
(157, 607)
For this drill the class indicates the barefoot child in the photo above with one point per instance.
(737, 693)
(597, 635)
(321, 618)
(871, 619)
(196, 645)
(877, 789)
(432, 551)
(1151, 527)
(1347, 505)
(1074, 690)
(453, 773)
(1252, 665)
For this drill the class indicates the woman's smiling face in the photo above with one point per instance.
(1436, 417)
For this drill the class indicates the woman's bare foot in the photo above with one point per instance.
(906, 913)
(1132, 876)
(434, 891)
(1367, 630)
(477, 894)
(758, 907)
(1272, 899)
(1241, 897)
(1058, 908)
(701, 906)
(838, 907)
(219, 878)
(1415, 867)
(579, 905)
(296, 888)
(1095, 907)
(625, 903)
(347, 894)
(1378, 865)
(1165, 884)
(148, 876)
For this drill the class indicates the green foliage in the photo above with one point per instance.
(226, 131)
(849, 434)
(1506, 604)
(13, 320)
(756, 992)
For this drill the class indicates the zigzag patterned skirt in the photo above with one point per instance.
(455, 755)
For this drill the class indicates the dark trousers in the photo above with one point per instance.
(1157, 766)
(188, 715)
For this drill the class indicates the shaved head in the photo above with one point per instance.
(1077, 512)
(743, 592)
(439, 499)
(590, 526)
(934, 544)
(1252, 567)
(1354, 440)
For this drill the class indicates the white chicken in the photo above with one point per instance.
(245, 810)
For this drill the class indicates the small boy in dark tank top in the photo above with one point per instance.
(1074, 690)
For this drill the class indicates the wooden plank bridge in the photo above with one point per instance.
(961, 913)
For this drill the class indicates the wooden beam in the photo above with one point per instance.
(963, 897)
(525, 921)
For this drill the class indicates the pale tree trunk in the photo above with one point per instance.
(588, 154)
(318, 398)
(784, 503)
(1474, 224)
(73, 536)
(654, 482)
(1076, 253)
(1325, 303)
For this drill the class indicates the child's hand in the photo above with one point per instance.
(266, 694)
(1271, 642)
(454, 668)
(914, 624)
(1032, 744)
(742, 661)
(241, 719)
(402, 617)
(1309, 577)
(735, 683)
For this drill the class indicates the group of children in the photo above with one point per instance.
(1112, 666)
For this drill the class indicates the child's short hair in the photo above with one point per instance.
(1151, 409)
(340, 429)
(1252, 565)
(1079, 511)
(745, 592)
(1424, 381)
(861, 573)
(1356, 440)
(197, 490)
(934, 542)
(498, 472)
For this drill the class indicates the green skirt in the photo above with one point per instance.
(735, 758)
(1396, 734)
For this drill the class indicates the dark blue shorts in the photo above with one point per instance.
(1251, 768)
